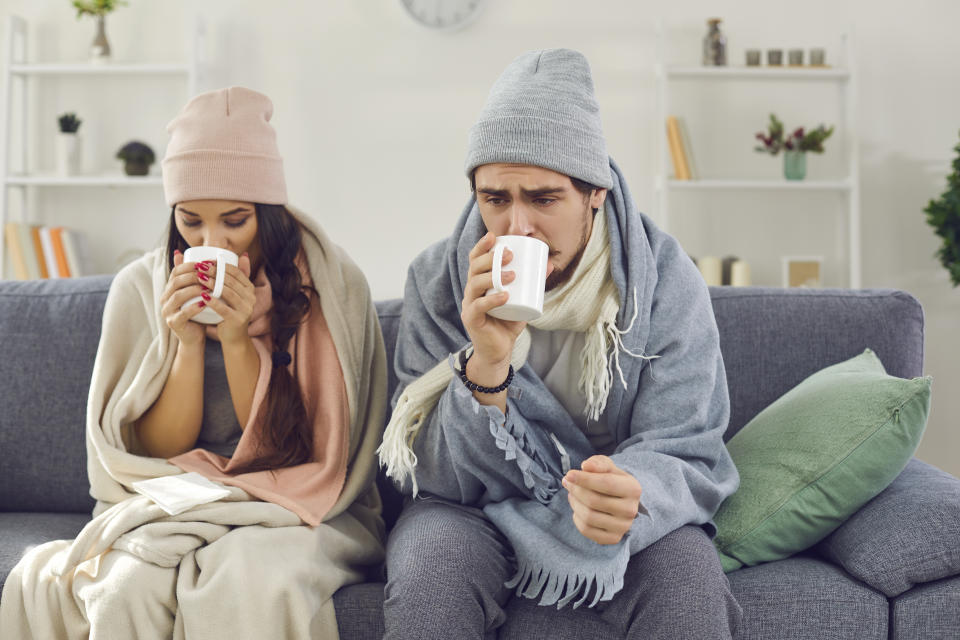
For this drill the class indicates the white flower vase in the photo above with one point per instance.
(68, 154)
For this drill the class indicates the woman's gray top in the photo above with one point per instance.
(219, 432)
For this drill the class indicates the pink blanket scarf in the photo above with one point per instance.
(309, 489)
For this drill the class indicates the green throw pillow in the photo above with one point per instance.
(815, 456)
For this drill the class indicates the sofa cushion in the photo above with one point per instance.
(773, 338)
(49, 331)
(816, 455)
(804, 598)
(24, 531)
(907, 535)
(930, 611)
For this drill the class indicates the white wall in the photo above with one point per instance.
(372, 113)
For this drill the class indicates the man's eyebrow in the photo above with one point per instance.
(538, 192)
(226, 213)
(493, 192)
(542, 191)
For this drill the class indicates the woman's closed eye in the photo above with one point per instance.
(234, 223)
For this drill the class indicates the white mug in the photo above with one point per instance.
(222, 257)
(526, 291)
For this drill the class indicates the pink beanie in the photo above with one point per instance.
(222, 147)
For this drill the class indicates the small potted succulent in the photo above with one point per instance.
(68, 145)
(944, 216)
(137, 158)
(100, 49)
(794, 147)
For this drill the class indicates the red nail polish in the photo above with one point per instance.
(205, 296)
(202, 276)
(202, 304)
(203, 266)
(176, 252)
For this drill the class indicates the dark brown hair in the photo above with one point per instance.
(287, 429)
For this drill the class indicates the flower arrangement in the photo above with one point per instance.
(800, 140)
(96, 7)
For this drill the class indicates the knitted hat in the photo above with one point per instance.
(542, 111)
(222, 147)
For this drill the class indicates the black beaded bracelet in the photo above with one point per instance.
(473, 386)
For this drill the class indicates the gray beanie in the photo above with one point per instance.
(541, 111)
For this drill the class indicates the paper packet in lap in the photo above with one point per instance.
(176, 494)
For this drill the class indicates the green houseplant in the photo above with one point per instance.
(794, 147)
(100, 50)
(137, 158)
(943, 215)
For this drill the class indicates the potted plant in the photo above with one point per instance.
(944, 216)
(795, 146)
(68, 145)
(100, 50)
(137, 158)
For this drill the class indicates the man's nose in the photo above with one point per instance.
(520, 221)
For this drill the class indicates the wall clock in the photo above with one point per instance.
(443, 15)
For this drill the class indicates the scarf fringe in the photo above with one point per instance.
(596, 375)
(396, 450)
(513, 441)
(560, 588)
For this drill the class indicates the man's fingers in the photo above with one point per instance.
(598, 464)
(610, 484)
(483, 245)
(599, 519)
(615, 507)
(474, 311)
(597, 535)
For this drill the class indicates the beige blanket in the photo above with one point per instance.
(236, 568)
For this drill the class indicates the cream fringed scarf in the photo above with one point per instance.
(572, 307)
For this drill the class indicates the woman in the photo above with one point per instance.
(282, 402)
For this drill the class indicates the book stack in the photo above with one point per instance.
(678, 139)
(46, 252)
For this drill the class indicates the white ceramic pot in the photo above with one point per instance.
(68, 154)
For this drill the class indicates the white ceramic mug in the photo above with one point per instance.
(222, 257)
(529, 263)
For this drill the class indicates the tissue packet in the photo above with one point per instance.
(176, 494)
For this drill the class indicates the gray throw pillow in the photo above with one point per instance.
(907, 535)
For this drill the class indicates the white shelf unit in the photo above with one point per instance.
(18, 73)
(844, 76)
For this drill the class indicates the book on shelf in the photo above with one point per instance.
(78, 258)
(46, 241)
(15, 252)
(678, 138)
(56, 239)
(38, 255)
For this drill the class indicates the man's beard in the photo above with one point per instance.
(559, 277)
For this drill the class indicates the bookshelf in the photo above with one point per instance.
(18, 76)
(847, 187)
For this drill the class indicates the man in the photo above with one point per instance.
(583, 463)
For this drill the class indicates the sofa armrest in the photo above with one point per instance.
(908, 534)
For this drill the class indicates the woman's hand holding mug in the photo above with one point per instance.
(235, 304)
(184, 284)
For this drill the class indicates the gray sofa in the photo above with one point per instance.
(890, 571)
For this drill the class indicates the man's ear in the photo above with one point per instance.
(597, 198)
